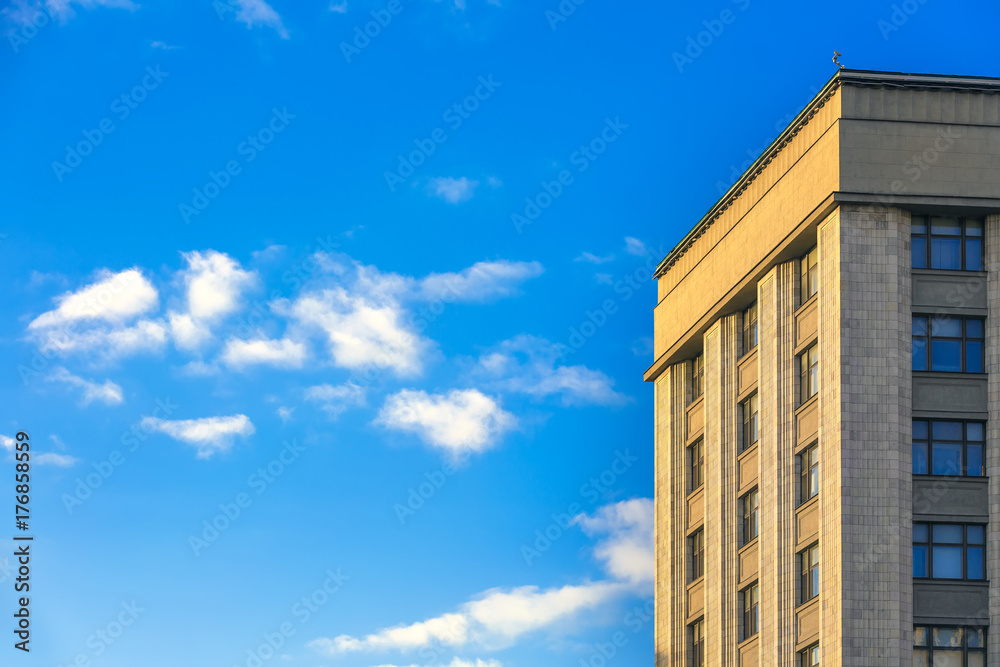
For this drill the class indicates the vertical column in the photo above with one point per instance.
(777, 298)
(865, 424)
(993, 431)
(672, 388)
(722, 611)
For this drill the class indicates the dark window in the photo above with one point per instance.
(697, 377)
(809, 373)
(696, 543)
(751, 421)
(751, 611)
(751, 507)
(696, 463)
(809, 470)
(697, 657)
(810, 573)
(949, 551)
(952, 344)
(948, 448)
(947, 243)
(750, 328)
(950, 646)
(809, 657)
(810, 275)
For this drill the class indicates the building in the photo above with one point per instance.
(827, 381)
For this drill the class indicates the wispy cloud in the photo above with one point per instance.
(259, 13)
(593, 259)
(335, 400)
(627, 548)
(282, 353)
(107, 392)
(209, 435)
(458, 662)
(634, 246)
(339, 7)
(453, 190)
(483, 281)
(459, 421)
(113, 297)
(52, 459)
(163, 46)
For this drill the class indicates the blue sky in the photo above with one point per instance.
(333, 343)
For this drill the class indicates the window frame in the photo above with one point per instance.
(809, 275)
(805, 656)
(751, 421)
(808, 362)
(697, 377)
(750, 515)
(750, 601)
(929, 442)
(808, 455)
(696, 549)
(809, 562)
(963, 236)
(965, 546)
(751, 330)
(928, 648)
(696, 465)
(696, 637)
(963, 340)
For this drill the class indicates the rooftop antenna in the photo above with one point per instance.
(836, 55)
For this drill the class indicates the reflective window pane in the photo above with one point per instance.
(973, 227)
(920, 532)
(920, 658)
(919, 354)
(975, 534)
(975, 638)
(919, 326)
(946, 326)
(947, 562)
(973, 255)
(973, 357)
(919, 430)
(919, 561)
(947, 659)
(947, 459)
(920, 458)
(919, 253)
(920, 636)
(974, 461)
(974, 566)
(948, 533)
(974, 328)
(948, 431)
(946, 355)
(947, 226)
(951, 637)
(974, 431)
(946, 253)
(918, 225)
(977, 660)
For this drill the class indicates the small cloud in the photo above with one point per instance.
(259, 13)
(642, 347)
(593, 259)
(162, 46)
(494, 182)
(285, 413)
(108, 393)
(270, 253)
(627, 551)
(634, 246)
(604, 278)
(7, 443)
(339, 7)
(459, 421)
(208, 435)
(50, 459)
(453, 190)
(335, 400)
(282, 353)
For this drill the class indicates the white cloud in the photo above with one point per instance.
(7, 443)
(285, 412)
(209, 434)
(114, 297)
(460, 421)
(215, 284)
(108, 393)
(593, 259)
(458, 662)
(282, 353)
(482, 281)
(51, 459)
(106, 342)
(634, 246)
(627, 549)
(258, 12)
(453, 190)
(156, 44)
(529, 365)
(494, 618)
(339, 7)
(335, 400)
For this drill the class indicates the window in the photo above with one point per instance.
(810, 573)
(697, 657)
(809, 471)
(697, 377)
(750, 328)
(947, 243)
(961, 647)
(949, 551)
(696, 463)
(948, 344)
(948, 448)
(751, 421)
(810, 275)
(751, 611)
(809, 657)
(751, 506)
(809, 373)
(696, 543)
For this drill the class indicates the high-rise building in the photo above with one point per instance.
(827, 380)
